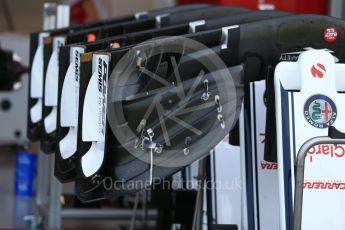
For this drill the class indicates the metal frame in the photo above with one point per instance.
(299, 182)
(198, 212)
(48, 194)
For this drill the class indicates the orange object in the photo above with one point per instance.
(91, 37)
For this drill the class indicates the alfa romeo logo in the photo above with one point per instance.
(320, 111)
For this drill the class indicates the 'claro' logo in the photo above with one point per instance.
(318, 70)
(320, 111)
(326, 150)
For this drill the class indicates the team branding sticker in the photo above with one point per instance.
(320, 111)
(102, 89)
(318, 70)
(330, 34)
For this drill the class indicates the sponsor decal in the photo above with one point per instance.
(268, 165)
(332, 151)
(330, 34)
(102, 80)
(318, 70)
(329, 185)
(76, 65)
(264, 164)
(320, 111)
(293, 56)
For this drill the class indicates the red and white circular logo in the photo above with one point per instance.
(330, 34)
(318, 70)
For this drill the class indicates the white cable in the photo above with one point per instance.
(151, 166)
(150, 135)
